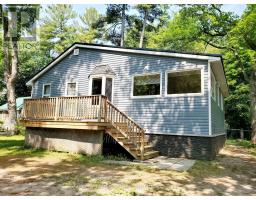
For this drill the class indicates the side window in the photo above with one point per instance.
(146, 85)
(71, 89)
(46, 90)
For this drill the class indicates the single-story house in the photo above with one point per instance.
(4, 108)
(174, 98)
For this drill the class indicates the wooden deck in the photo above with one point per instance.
(89, 113)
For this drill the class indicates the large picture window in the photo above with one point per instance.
(146, 85)
(71, 89)
(46, 90)
(184, 82)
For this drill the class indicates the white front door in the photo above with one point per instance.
(101, 85)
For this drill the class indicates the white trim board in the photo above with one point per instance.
(209, 98)
(185, 135)
(137, 51)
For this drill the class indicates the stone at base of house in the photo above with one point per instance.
(195, 147)
(67, 140)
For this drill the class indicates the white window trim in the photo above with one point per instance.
(43, 95)
(66, 88)
(147, 96)
(103, 86)
(219, 95)
(184, 94)
(209, 73)
(221, 102)
(215, 82)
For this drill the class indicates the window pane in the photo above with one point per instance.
(184, 82)
(146, 85)
(71, 90)
(96, 86)
(109, 88)
(47, 89)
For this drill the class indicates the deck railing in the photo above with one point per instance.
(84, 108)
(64, 108)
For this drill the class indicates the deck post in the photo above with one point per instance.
(105, 109)
(100, 107)
(142, 147)
(23, 113)
(56, 109)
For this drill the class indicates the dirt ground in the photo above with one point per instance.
(232, 173)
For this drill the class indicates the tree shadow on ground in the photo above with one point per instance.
(42, 173)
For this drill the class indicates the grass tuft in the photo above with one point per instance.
(243, 143)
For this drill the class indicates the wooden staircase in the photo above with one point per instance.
(128, 134)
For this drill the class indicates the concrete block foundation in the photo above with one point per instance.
(195, 147)
(89, 142)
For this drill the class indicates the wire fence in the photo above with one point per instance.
(239, 134)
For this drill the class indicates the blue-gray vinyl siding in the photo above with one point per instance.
(160, 115)
(218, 118)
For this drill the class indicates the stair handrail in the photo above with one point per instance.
(140, 132)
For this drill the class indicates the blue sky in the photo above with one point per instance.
(79, 8)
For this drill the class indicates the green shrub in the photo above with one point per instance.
(242, 143)
(20, 130)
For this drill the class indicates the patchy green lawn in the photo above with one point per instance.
(37, 172)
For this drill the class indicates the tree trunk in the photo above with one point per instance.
(143, 29)
(123, 25)
(253, 106)
(10, 50)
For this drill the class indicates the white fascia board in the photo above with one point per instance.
(221, 69)
(30, 82)
(156, 53)
(137, 51)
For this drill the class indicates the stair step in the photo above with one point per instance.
(120, 124)
(129, 143)
(149, 154)
(132, 137)
(147, 148)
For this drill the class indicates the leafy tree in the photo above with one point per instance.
(112, 26)
(243, 42)
(57, 30)
(214, 24)
(87, 32)
(180, 34)
(13, 28)
(237, 104)
(148, 14)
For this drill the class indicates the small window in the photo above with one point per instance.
(184, 82)
(146, 85)
(71, 89)
(46, 90)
